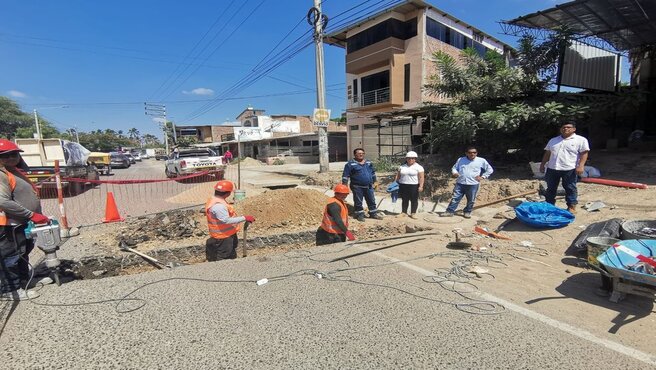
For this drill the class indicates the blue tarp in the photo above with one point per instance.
(543, 215)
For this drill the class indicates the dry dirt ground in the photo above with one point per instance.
(540, 278)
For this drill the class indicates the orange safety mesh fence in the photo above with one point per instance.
(137, 192)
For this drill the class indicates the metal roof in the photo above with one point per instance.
(624, 24)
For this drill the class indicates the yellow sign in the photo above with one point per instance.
(321, 117)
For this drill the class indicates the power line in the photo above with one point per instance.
(216, 21)
(280, 58)
(220, 45)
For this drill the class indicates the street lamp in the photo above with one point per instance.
(36, 120)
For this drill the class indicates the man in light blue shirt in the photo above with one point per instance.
(469, 171)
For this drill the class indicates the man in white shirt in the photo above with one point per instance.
(564, 158)
(469, 171)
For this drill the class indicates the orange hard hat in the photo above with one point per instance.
(224, 186)
(8, 146)
(341, 188)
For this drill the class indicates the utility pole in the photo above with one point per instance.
(36, 121)
(317, 19)
(159, 111)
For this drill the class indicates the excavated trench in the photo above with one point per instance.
(98, 267)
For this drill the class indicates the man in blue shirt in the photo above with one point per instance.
(469, 171)
(362, 174)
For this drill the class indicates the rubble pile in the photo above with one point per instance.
(172, 225)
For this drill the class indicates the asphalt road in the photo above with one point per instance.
(361, 317)
(132, 199)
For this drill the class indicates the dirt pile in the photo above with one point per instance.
(277, 211)
(172, 225)
(250, 162)
(326, 179)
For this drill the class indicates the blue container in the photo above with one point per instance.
(617, 262)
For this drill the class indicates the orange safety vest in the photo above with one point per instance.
(328, 224)
(219, 229)
(12, 186)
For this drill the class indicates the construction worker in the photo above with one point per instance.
(19, 204)
(362, 174)
(334, 225)
(223, 224)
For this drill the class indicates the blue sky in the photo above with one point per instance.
(104, 59)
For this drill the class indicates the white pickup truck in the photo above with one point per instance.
(189, 161)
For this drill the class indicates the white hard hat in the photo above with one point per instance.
(411, 154)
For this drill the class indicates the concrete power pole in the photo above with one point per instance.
(319, 21)
(159, 111)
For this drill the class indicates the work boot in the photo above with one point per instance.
(466, 214)
(401, 215)
(414, 216)
(376, 216)
(446, 214)
(18, 295)
(360, 217)
(572, 209)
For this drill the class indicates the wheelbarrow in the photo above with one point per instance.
(630, 264)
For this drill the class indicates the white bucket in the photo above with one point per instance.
(535, 168)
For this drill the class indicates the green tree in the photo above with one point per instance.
(496, 106)
(12, 118)
(151, 141)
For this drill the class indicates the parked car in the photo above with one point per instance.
(130, 158)
(161, 156)
(119, 160)
(137, 156)
(188, 161)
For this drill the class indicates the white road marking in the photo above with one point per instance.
(578, 332)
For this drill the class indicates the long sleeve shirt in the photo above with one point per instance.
(360, 174)
(20, 204)
(335, 213)
(220, 212)
(467, 170)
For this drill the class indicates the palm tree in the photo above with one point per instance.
(134, 134)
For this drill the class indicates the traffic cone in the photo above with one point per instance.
(111, 211)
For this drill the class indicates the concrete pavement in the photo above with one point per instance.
(364, 317)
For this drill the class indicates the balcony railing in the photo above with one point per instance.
(375, 97)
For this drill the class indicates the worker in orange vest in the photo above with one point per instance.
(334, 225)
(223, 223)
(19, 204)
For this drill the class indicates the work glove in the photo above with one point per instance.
(349, 236)
(376, 185)
(249, 218)
(38, 218)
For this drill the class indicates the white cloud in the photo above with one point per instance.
(16, 94)
(158, 120)
(199, 91)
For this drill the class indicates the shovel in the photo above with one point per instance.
(151, 260)
(244, 247)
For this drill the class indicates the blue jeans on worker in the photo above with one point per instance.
(366, 192)
(15, 249)
(460, 190)
(553, 177)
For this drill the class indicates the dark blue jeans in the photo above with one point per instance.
(460, 190)
(553, 177)
(368, 194)
(15, 249)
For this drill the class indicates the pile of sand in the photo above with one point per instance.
(284, 210)
(250, 162)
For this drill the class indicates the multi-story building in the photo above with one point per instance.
(389, 60)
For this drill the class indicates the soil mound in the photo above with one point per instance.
(293, 209)
(250, 162)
